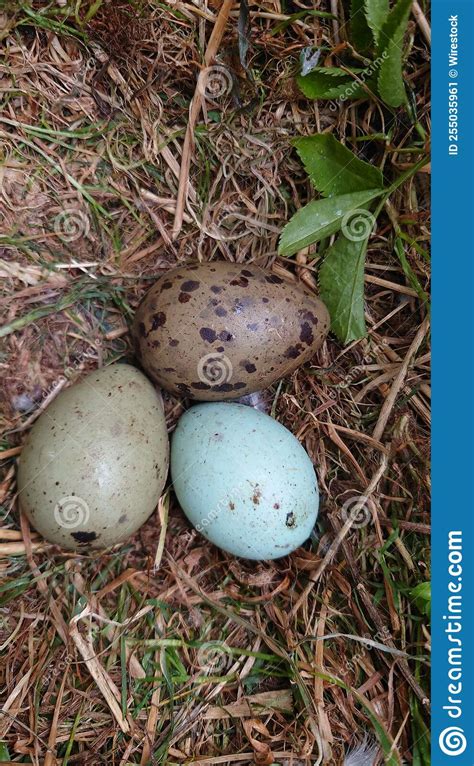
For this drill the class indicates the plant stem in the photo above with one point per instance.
(399, 181)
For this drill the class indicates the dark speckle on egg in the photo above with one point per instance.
(158, 320)
(306, 334)
(240, 282)
(208, 334)
(189, 286)
(292, 352)
(84, 537)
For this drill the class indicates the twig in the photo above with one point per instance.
(13, 452)
(50, 758)
(103, 681)
(315, 574)
(381, 629)
(56, 616)
(398, 382)
(19, 548)
(195, 108)
(420, 17)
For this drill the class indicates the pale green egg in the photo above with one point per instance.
(243, 480)
(95, 462)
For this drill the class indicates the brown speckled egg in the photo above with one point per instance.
(220, 330)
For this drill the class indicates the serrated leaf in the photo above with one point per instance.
(390, 80)
(361, 35)
(376, 14)
(329, 83)
(320, 219)
(398, 17)
(341, 281)
(333, 168)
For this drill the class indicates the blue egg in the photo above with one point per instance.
(243, 480)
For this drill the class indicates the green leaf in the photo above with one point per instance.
(360, 33)
(93, 10)
(300, 15)
(330, 83)
(390, 80)
(390, 83)
(376, 14)
(421, 595)
(398, 17)
(320, 219)
(341, 279)
(333, 168)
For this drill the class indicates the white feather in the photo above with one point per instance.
(364, 754)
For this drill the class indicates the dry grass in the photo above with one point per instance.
(204, 659)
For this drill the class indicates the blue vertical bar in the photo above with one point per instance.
(453, 383)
